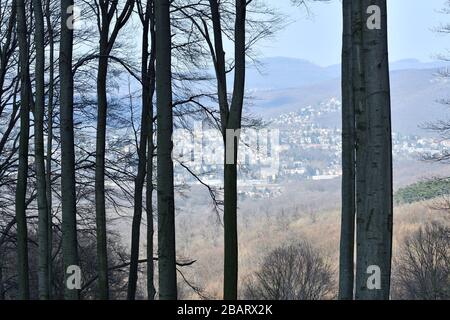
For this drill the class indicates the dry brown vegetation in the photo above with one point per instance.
(267, 224)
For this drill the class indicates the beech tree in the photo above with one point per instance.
(107, 12)
(165, 184)
(347, 243)
(373, 150)
(145, 152)
(39, 107)
(22, 173)
(68, 194)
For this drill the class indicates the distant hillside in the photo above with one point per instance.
(423, 190)
(286, 85)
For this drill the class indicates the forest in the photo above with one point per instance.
(110, 191)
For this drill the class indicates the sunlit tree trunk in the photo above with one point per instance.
(374, 153)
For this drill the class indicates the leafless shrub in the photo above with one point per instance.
(422, 269)
(292, 272)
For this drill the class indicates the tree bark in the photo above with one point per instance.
(142, 153)
(21, 190)
(108, 36)
(374, 155)
(51, 85)
(165, 184)
(69, 219)
(100, 209)
(39, 151)
(230, 120)
(151, 291)
(347, 242)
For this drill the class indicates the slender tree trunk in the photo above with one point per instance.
(230, 120)
(347, 243)
(165, 185)
(142, 161)
(69, 219)
(102, 104)
(374, 161)
(151, 292)
(39, 151)
(21, 190)
(51, 85)
(230, 179)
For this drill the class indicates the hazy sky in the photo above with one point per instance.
(317, 36)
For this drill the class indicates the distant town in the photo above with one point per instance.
(293, 146)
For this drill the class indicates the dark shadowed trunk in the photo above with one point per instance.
(165, 186)
(39, 151)
(145, 16)
(347, 243)
(107, 12)
(69, 219)
(230, 120)
(21, 190)
(102, 255)
(51, 91)
(151, 292)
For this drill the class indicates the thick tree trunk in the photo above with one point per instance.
(165, 185)
(39, 151)
(21, 190)
(69, 219)
(374, 159)
(347, 242)
(51, 85)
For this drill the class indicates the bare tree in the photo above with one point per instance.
(145, 157)
(165, 183)
(107, 12)
(422, 267)
(39, 108)
(22, 174)
(68, 191)
(292, 272)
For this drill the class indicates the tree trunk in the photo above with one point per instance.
(230, 179)
(230, 120)
(69, 219)
(21, 190)
(151, 292)
(51, 85)
(39, 151)
(165, 185)
(142, 161)
(100, 210)
(374, 158)
(347, 242)
(108, 36)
